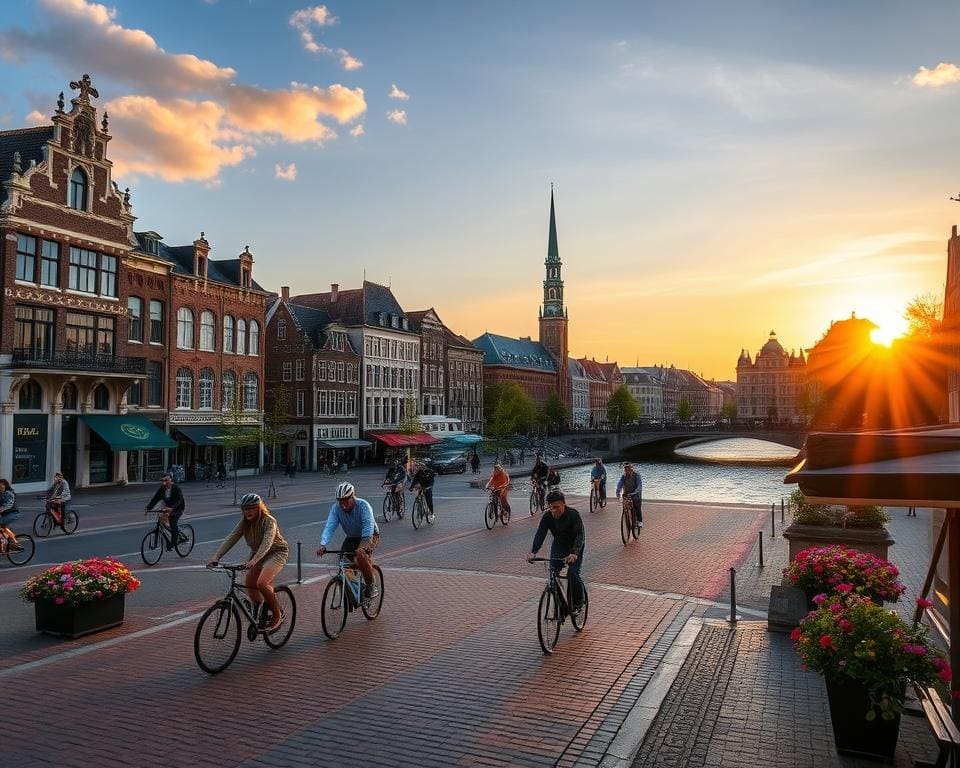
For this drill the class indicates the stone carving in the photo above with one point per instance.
(60, 103)
(83, 134)
(85, 86)
(16, 163)
(104, 123)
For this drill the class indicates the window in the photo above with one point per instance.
(251, 391)
(300, 401)
(31, 396)
(208, 331)
(108, 275)
(26, 258)
(135, 393)
(322, 372)
(83, 270)
(70, 397)
(34, 332)
(206, 389)
(227, 333)
(184, 328)
(228, 390)
(101, 398)
(134, 319)
(90, 334)
(254, 337)
(184, 388)
(241, 337)
(154, 383)
(332, 371)
(300, 369)
(50, 264)
(281, 330)
(78, 190)
(340, 375)
(288, 371)
(156, 322)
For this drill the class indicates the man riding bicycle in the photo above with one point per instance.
(173, 506)
(568, 541)
(598, 477)
(57, 497)
(422, 479)
(394, 480)
(631, 485)
(539, 476)
(355, 516)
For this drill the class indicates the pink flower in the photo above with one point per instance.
(945, 674)
(836, 608)
(826, 641)
(796, 634)
(844, 588)
(924, 602)
(819, 599)
(845, 625)
(58, 600)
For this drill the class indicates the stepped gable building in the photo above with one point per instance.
(599, 389)
(770, 387)
(313, 374)
(951, 324)
(433, 363)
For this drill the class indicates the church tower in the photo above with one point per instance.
(553, 315)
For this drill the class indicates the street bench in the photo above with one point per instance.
(940, 720)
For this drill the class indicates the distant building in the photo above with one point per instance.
(647, 391)
(951, 325)
(771, 386)
(579, 394)
(464, 381)
(523, 360)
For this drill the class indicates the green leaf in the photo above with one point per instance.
(871, 715)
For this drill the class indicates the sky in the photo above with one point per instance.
(721, 170)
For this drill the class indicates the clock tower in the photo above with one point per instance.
(553, 315)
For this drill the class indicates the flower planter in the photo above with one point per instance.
(853, 734)
(875, 541)
(74, 621)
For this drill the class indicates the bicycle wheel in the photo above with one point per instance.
(70, 521)
(288, 606)
(490, 515)
(548, 624)
(626, 526)
(579, 619)
(504, 515)
(430, 512)
(25, 555)
(151, 548)
(533, 502)
(417, 516)
(371, 608)
(43, 524)
(333, 610)
(401, 506)
(594, 501)
(387, 508)
(185, 539)
(217, 639)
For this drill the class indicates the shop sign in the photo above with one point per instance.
(29, 448)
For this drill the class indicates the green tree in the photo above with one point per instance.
(509, 410)
(684, 411)
(729, 412)
(275, 421)
(410, 422)
(240, 429)
(622, 408)
(554, 412)
(924, 316)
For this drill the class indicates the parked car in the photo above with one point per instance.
(447, 462)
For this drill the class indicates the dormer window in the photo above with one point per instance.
(406, 326)
(151, 246)
(394, 321)
(78, 190)
(245, 278)
(201, 266)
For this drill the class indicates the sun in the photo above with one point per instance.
(890, 327)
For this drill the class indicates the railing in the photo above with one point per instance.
(77, 361)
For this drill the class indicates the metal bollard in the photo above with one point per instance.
(760, 534)
(733, 596)
(773, 522)
(782, 518)
(299, 563)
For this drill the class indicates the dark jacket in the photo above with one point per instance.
(176, 498)
(424, 478)
(567, 530)
(540, 471)
(395, 475)
(553, 478)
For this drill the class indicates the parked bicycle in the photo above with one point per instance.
(494, 510)
(596, 500)
(421, 512)
(161, 537)
(555, 606)
(46, 521)
(343, 594)
(629, 524)
(217, 639)
(393, 503)
(537, 498)
(19, 556)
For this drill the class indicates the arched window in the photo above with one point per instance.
(184, 328)
(553, 293)
(227, 333)
(241, 337)
(251, 393)
(70, 397)
(101, 398)
(228, 390)
(254, 337)
(206, 389)
(78, 190)
(208, 331)
(31, 396)
(184, 388)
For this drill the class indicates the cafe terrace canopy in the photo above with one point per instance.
(400, 440)
(128, 433)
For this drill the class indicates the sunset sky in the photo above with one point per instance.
(721, 169)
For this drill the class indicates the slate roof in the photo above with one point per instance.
(357, 306)
(29, 142)
(575, 369)
(515, 353)
(456, 340)
(181, 256)
(311, 321)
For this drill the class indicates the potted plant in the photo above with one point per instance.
(861, 527)
(867, 656)
(80, 597)
(824, 570)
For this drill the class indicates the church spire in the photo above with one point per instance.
(553, 251)
(553, 284)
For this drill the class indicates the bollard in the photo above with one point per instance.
(299, 563)
(733, 596)
(760, 535)
(773, 521)
(782, 519)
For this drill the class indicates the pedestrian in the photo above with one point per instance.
(173, 506)
(911, 511)
(523, 457)
(475, 463)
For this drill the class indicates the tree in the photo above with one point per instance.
(509, 410)
(729, 412)
(275, 429)
(924, 316)
(410, 423)
(684, 411)
(622, 408)
(239, 430)
(554, 412)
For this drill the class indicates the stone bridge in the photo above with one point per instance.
(663, 443)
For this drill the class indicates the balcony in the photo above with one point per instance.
(78, 361)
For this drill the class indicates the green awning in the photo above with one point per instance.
(208, 434)
(129, 433)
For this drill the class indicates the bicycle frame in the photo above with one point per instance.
(235, 594)
(353, 584)
(554, 577)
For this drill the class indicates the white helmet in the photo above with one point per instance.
(345, 491)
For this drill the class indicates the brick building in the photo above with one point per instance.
(599, 391)
(523, 360)
(464, 381)
(433, 361)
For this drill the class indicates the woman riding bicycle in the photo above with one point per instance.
(499, 483)
(268, 555)
(8, 513)
(598, 477)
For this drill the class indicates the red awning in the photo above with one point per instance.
(397, 440)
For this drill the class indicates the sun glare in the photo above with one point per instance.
(889, 330)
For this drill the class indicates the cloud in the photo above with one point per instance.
(319, 16)
(236, 117)
(940, 75)
(357, 131)
(36, 117)
(397, 93)
(287, 173)
(349, 62)
(398, 116)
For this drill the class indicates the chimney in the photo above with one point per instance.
(334, 292)
(954, 230)
(285, 293)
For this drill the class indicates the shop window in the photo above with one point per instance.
(70, 397)
(31, 396)
(101, 398)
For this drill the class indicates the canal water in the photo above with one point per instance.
(724, 476)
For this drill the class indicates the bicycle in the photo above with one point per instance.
(421, 511)
(161, 537)
(554, 607)
(495, 510)
(22, 556)
(46, 521)
(393, 502)
(343, 595)
(596, 500)
(537, 495)
(629, 525)
(217, 639)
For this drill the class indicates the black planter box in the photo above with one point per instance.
(853, 734)
(78, 620)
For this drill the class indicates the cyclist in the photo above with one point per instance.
(566, 526)
(553, 479)
(500, 482)
(395, 479)
(8, 513)
(423, 478)
(355, 516)
(173, 506)
(631, 485)
(57, 497)
(539, 476)
(598, 476)
(268, 555)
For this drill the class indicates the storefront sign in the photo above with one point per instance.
(29, 449)
(65, 300)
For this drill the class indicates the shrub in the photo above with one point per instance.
(81, 581)
(848, 571)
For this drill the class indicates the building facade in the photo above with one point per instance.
(579, 395)
(771, 386)
(647, 391)
(464, 381)
(523, 360)
(433, 361)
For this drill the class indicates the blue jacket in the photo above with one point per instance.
(635, 490)
(357, 522)
(598, 473)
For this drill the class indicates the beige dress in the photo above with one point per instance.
(268, 548)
